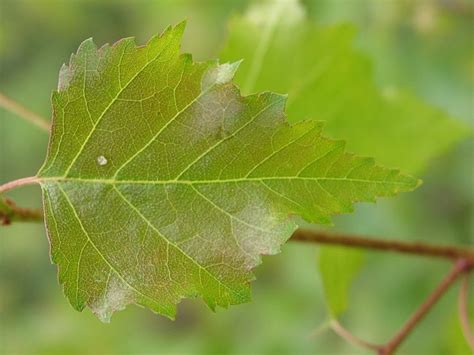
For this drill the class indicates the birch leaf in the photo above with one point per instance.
(163, 182)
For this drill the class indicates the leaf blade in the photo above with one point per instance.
(176, 188)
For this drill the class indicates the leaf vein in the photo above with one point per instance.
(86, 234)
(114, 99)
(175, 245)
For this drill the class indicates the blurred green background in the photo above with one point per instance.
(423, 46)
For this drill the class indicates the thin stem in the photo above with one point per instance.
(417, 248)
(462, 265)
(464, 312)
(15, 107)
(20, 182)
(351, 338)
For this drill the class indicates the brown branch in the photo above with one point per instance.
(10, 212)
(321, 237)
(464, 312)
(463, 258)
(461, 266)
(417, 248)
(15, 107)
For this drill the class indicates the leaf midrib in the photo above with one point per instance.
(169, 242)
(60, 179)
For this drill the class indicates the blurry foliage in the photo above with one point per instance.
(423, 46)
(338, 267)
(327, 79)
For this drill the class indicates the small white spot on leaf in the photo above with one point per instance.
(101, 160)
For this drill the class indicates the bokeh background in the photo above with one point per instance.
(426, 47)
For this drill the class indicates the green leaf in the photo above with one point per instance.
(327, 79)
(338, 267)
(163, 182)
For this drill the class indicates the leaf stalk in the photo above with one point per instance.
(19, 182)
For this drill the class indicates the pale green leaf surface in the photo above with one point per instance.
(327, 79)
(338, 267)
(163, 182)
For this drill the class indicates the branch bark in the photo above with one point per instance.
(417, 248)
(322, 237)
(461, 266)
(10, 212)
